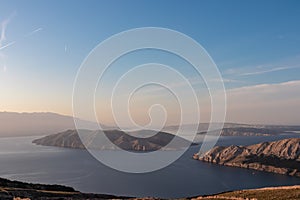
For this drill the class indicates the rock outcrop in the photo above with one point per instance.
(282, 157)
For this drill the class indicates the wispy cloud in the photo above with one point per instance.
(263, 71)
(277, 103)
(183, 84)
(226, 80)
(286, 64)
(194, 82)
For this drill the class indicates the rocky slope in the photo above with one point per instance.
(281, 156)
(96, 140)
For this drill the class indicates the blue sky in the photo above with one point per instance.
(252, 42)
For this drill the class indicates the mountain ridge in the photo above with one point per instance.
(282, 156)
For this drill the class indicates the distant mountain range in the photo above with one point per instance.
(96, 140)
(29, 124)
(281, 156)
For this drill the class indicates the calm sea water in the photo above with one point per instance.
(22, 160)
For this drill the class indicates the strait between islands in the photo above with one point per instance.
(282, 156)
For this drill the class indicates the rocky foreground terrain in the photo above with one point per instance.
(270, 193)
(97, 140)
(15, 190)
(19, 190)
(282, 157)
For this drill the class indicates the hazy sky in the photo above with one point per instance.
(255, 44)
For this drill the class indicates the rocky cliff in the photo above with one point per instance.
(281, 156)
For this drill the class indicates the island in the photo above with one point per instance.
(249, 131)
(282, 157)
(138, 141)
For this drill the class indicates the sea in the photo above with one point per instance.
(22, 160)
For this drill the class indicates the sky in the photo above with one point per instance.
(255, 45)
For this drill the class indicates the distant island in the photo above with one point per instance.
(236, 129)
(282, 157)
(252, 131)
(95, 140)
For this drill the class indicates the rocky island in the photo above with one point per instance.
(145, 140)
(282, 157)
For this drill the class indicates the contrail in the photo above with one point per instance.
(34, 31)
(7, 45)
(4, 24)
(3, 30)
(3, 27)
(13, 42)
